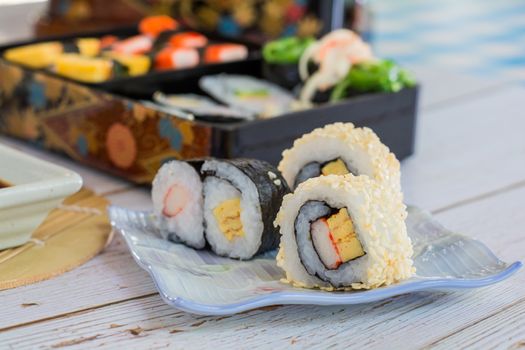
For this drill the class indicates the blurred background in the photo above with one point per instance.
(483, 38)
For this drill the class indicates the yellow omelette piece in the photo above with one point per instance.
(228, 216)
(344, 236)
(335, 167)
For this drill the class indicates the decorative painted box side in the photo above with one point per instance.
(114, 134)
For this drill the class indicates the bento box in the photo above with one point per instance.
(109, 127)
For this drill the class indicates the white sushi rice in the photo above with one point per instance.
(187, 225)
(230, 182)
(359, 148)
(379, 220)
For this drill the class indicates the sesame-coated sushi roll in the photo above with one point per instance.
(177, 202)
(241, 200)
(343, 232)
(339, 149)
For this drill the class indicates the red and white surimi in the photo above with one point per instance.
(324, 244)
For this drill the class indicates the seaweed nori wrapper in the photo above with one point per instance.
(271, 191)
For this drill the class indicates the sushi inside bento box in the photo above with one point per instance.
(116, 126)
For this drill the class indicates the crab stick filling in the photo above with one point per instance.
(335, 239)
(175, 200)
(228, 216)
(335, 167)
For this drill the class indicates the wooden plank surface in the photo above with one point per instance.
(424, 318)
(469, 169)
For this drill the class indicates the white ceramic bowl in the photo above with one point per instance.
(36, 188)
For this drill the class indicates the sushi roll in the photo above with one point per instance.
(84, 69)
(36, 56)
(230, 204)
(338, 149)
(241, 199)
(188, 39)
(343, 231)
(177, 202)
(219, 53)
(176, 58)
(135, 45)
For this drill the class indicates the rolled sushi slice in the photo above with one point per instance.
(177, 202)
(339, 149)
(258, 97)
(200, 106)
(343, 232)
(241, 199)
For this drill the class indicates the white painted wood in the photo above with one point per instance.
(110, 277)
(466, 150)
(440, 87)
(410, 321)
(504, 330)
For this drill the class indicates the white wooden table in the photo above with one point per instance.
(469, 170)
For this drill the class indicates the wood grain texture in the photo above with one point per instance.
(424, 318)
(467, 150)
(442, 88)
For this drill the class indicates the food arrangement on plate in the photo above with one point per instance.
(342, 227)
(162, 44)
(230, 235)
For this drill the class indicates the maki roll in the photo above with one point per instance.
(339, 149)
(343, 232)
(241, 199)
(230, 204)
(177, 202)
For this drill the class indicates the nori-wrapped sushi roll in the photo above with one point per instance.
(241, 200)
(344, 231)
(230, 204)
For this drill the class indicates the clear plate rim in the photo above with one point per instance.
(318, 297)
